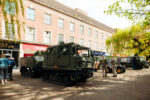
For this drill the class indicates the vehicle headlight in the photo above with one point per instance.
(83, 58)
(89, 65)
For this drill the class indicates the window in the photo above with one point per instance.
(107, 36)
(89, 43)
(72, 27)
(102, 46)
(31, 13)
(102, 35)
(82, 29)
(47, 37)
(30, 34)
(81, 42)
(90, 32)
(96, 46)
(47, 19)
(60, 23)
(60, 38)
(9, 7)
(71, 39)
(96, 34)
(10, 33)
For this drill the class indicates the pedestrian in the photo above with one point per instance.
(103, 64)
(11, 65)
(3, 69)
(114, 67)
(134, 62)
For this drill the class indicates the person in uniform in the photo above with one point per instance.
(114, 67)
(103, 64)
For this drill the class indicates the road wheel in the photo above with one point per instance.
(31, 73)
(146, 67)
(123, 70)
(119, 70)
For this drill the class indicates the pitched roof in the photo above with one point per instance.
(73, 13)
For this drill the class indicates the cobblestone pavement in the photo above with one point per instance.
(132, 85)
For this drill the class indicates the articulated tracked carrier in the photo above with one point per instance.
(63, 64)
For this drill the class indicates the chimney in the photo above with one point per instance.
(81, 11)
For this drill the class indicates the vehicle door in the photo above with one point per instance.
(50, 57)
(62, 58)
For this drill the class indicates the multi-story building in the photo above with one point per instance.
(47, 22)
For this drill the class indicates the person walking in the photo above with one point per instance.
(11, 65)
(114, 67)
(103, 64)
(3, 69)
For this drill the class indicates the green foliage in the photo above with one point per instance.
(10, 11)
(136, 10)
(132, 40)
(135, 39)
(0, 2)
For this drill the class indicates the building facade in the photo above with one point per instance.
(47, 22)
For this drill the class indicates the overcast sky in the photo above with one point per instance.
(95, 9)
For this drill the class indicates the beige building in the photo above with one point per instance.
(47, 22)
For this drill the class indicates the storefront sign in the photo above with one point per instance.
(9, 45)
(98, 53)
(28, 55)
(32, 47)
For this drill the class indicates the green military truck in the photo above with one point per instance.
(135, 62)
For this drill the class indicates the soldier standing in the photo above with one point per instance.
(114, 67)
(103, 64)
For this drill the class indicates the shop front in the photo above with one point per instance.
(30, 49)
(10, 49)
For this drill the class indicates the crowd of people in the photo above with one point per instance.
(6, 68)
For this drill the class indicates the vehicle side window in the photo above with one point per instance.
(51, 51)
(63, 50)
(73, 51)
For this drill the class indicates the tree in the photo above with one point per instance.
(135, 39)
(138, 10)
(11, 11)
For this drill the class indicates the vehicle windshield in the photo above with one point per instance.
(125, 60)
(97, 59)
(38, 58)
(83, 52)
(142, 59)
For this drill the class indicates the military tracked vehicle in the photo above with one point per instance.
(63, 64)
(32, 66)
(67, 64)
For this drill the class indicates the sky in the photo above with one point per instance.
(95, 9)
